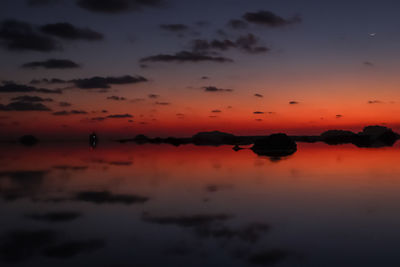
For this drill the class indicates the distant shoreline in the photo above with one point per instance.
(371, 136)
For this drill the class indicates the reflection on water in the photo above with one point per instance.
(159, 205)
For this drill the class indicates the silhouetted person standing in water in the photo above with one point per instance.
(93, 140)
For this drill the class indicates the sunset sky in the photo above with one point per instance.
(176, 67)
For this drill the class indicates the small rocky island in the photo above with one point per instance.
(28, 140)
(371, 136)
(275, 145)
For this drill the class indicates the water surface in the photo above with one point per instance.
(159, 205)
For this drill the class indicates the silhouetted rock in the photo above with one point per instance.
(376, 136)
(28, 140)
(214, 138)
(157, 140)
(141, 139)
(275, 145)
(336, 137)
(174, 141)
(375, 131)
(371, 136)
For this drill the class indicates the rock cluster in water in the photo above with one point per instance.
(371, 136)
(275, 145)
(28, 140)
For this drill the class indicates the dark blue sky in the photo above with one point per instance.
(330, 30)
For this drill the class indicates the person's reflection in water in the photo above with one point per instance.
(93, 140)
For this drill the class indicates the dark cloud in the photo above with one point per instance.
(48, 81)
(339, 116)
(258, 112)
(216, 111)
(185, 56)
(120, 116)
(19, 88)
(48, 91)
(258, 95)
(55, 217)
(24, 106)
(64, 104)
(36, 81)
(237, 24)
(248, 43)
(135, 100)
(205, 78)
(162, 103)
(117, 6)
(267, 18)
(73, 248)
(105, 197)
(117, 98)
(28, 98)
(20, 36)
(174, 27)
(70, 32)
(41, 3)
(52, 64)
(97, 119)
(215, 89)
(106, 82)
(67, 113)
(368, 64)
(293, 103)
(153, 96)
(204, 45)
(374, 102)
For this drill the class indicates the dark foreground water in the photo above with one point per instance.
(151, 205)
